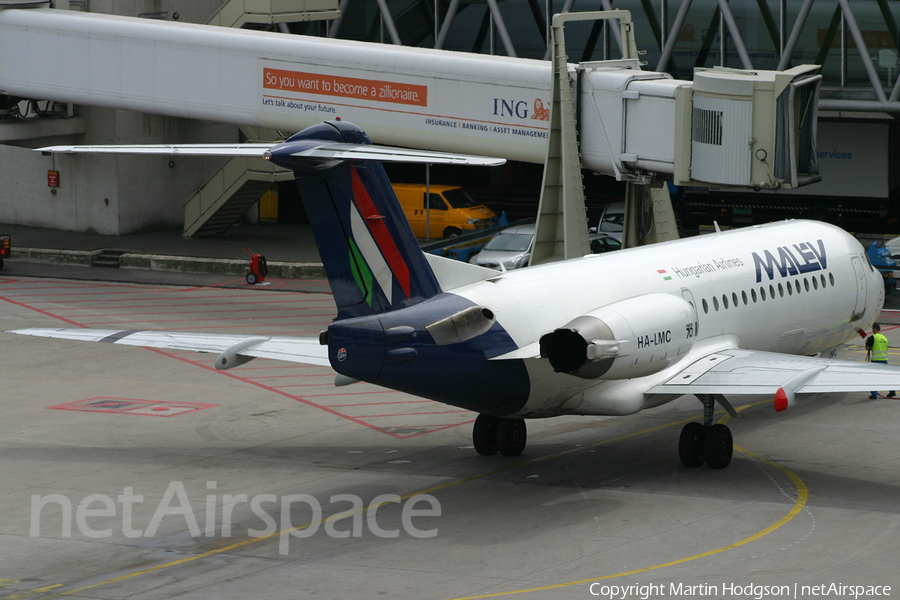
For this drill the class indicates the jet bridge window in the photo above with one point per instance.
(706, 126)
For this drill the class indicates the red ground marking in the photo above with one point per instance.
(384, 391)
(205, 304)
(296, 385)
(291, 366)
(131, 406)
(243, 295)
(213, 312)
(255, 318)
(379, 403)
(415, 414)
(43, 312)
(388, 430)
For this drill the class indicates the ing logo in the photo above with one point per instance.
(520, 110)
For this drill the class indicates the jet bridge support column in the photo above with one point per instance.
(561, 231)
(649, 216)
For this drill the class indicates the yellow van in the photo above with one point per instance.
(451, 210)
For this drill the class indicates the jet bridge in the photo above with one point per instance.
(751, 129)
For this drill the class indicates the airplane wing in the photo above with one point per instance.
(782, 375)
(337, 151)
(233, 349)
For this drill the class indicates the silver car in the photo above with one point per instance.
(512, 247)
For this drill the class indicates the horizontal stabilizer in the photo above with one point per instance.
(404, 155)
(248, 150)
(291, 349)
(334, 151)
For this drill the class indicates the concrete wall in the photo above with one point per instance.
(110, 194)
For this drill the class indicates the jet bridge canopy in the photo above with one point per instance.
(726, 128)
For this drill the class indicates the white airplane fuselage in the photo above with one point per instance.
(795, 287)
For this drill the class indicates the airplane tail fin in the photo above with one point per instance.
(371, 257)
(372, 260)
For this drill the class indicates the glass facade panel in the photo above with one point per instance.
(826, 38)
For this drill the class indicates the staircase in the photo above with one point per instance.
(108, 258)
(225, 196)
(239, 183)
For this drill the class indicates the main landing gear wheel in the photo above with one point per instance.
(707, 443)
(484, 435)
(492, 434)
(698, 444)
(718, 446)
(690, 445)
(511, 437)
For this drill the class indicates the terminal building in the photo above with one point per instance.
(855, 44)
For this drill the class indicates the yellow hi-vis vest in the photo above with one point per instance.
(879, 348)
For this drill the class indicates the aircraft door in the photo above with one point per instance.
(689, 298)
(860, 308)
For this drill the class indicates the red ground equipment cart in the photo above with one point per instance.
(258, 268)
(4, 248)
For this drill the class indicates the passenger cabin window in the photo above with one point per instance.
(705, 306)
(715, 303)
(753, 295)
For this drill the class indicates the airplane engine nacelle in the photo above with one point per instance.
(626, 339)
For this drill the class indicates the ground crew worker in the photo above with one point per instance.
(877, 346)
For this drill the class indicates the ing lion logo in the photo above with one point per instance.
(540, 113)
